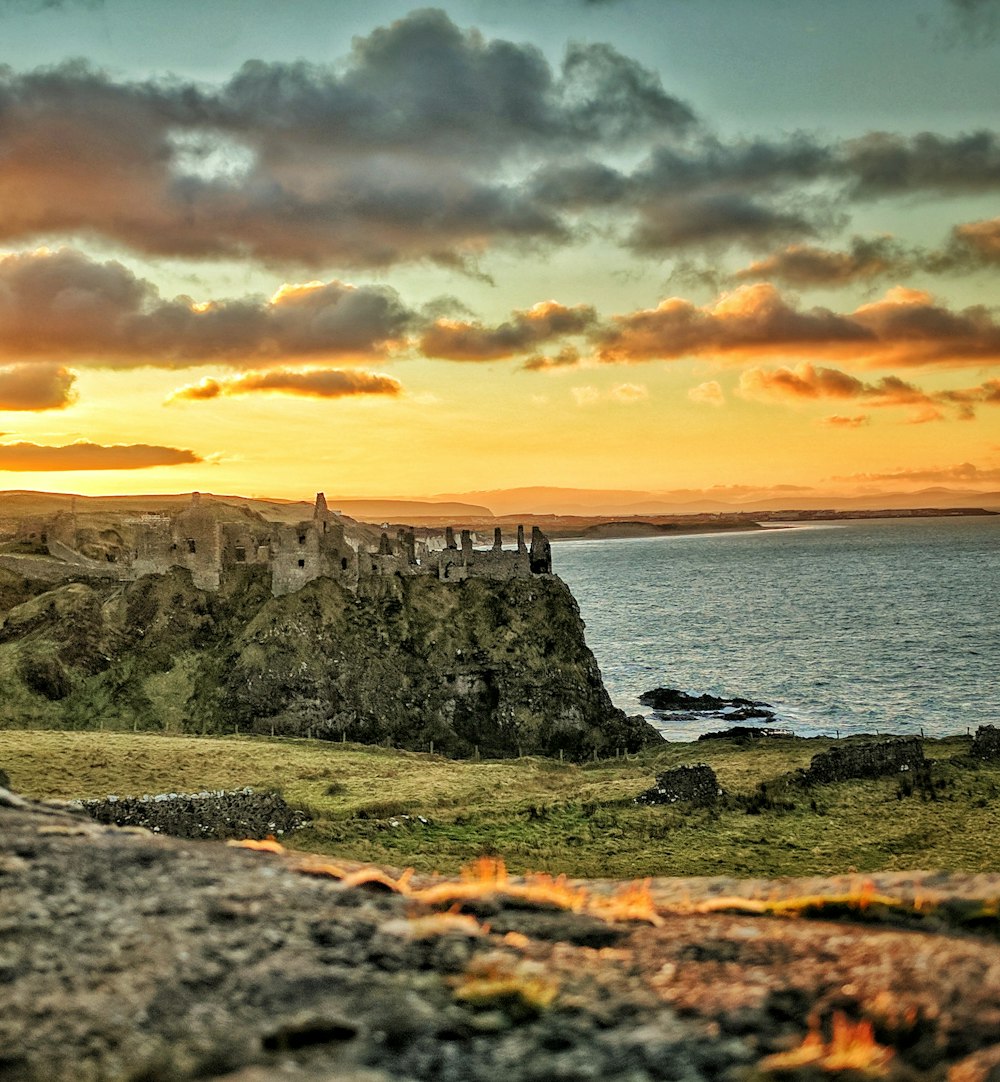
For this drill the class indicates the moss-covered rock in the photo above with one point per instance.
(483, 667)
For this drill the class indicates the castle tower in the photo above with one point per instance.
(541, 553)
(320, 510)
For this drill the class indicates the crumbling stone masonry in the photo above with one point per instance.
(986, 743)
(868, 760)
(213, 540)
(240, 813)
(684, 784)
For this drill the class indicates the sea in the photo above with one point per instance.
(863, 626)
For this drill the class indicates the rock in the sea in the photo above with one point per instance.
(986, 743)
(689, 784)
(874, 759)
(674, 702)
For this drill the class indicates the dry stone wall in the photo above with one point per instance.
(868, 760)
(241, 813)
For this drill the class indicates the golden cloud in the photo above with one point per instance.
(311, 383)
(38, 458)
(36, 387)
(905, 328)
(461, 340)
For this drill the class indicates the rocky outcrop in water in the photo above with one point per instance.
(679, 706)
(495, 668)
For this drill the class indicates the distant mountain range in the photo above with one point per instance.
(21, 504)
(539, 500)
(612, 502)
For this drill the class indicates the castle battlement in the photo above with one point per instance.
(213, 540)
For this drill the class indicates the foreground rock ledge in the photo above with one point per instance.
(128, 956)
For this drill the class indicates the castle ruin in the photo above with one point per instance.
(213, 540)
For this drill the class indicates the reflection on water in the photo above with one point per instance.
(888, 625)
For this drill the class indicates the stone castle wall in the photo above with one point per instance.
(210, 541)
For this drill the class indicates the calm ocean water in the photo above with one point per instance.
(890, 625)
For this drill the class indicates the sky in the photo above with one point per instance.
(726, 247)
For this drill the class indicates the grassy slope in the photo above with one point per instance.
(540, 813)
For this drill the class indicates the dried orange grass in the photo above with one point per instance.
(852, 1047)
(423, 926)
(497, 981)
(488, 878)
(861, 900)
(265, 845)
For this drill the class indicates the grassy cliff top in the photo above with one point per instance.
(580, 819)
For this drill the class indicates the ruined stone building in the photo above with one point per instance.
(211, 539)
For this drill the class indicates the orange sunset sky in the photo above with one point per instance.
(381, 250)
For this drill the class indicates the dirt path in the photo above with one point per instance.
(129, 956)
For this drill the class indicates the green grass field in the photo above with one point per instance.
(544, 814)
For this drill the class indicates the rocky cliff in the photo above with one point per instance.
(501, 667)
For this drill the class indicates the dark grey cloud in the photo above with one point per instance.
(750, 165)
(882, 164)
(971, 246)
(866, 259)
(756, 193)
(719, 220)
(395, 156)
(424, 85)
(62, 305)
(977, 20)
(704, 194)
(36, 6)
(431, 142)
